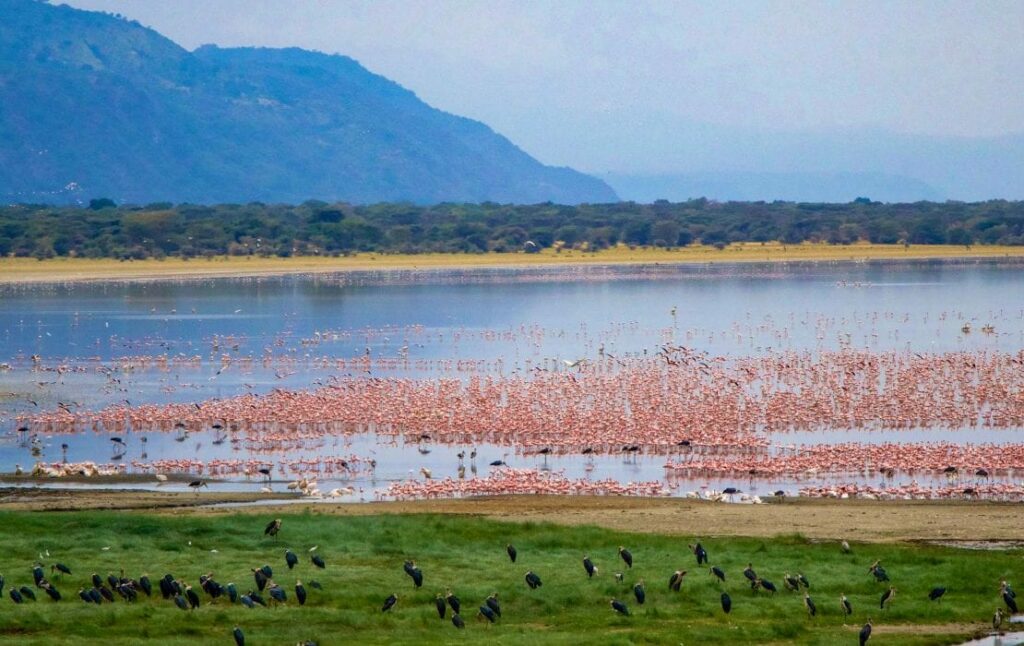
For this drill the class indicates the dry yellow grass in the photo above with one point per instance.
(861, 520)
(26, 270)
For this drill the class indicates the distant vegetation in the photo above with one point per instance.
(105, 230)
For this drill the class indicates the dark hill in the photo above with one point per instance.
(93, 105)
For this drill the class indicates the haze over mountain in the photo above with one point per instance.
(94, 105)
(894, 99)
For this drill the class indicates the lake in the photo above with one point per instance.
(86, 346)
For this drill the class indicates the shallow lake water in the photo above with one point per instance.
(193, 340)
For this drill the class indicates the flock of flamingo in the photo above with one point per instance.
(750, 418)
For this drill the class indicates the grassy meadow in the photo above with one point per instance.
(364, 557)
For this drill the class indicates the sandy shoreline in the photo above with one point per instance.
(61, 270)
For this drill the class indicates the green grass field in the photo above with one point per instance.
(364, 558)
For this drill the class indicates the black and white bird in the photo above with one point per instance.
(533, 580)
(844, 603)
(812, 609)
(887, 597)
(273, 527)
(639, 592)
(620, 607)
(675, 582)
(865, 633)
(627, 556)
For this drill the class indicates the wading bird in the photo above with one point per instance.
(511, 551)
(290, 559)
(865, 633)
(701, 554)
(936, 594)
(726, 603)
(639, 593)
(1009, 600)
(718, 573)
(457, 621)
(487, 613)
(277, 593)
(997, 619)
(453, 601)
(879, 572)
(812, 609)
(318, 561)
(239, 636)
(844, 603)
(260, 577)
(887, 597)
(492, 603)
(300, 593)
(272, 528)
(533, 580)
(441, 606)
(389, 603)
(749, 573)
(675, 582)
(589, 566)
(620, 607)
(627, 556)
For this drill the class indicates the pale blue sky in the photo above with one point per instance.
(626, 86)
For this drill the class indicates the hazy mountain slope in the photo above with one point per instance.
(94, 105)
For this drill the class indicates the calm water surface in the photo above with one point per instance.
(290, 331)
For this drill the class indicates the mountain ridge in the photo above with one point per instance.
(94, 105)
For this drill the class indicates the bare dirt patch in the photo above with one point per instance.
(38, 499)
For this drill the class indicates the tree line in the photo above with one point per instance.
(106, 230)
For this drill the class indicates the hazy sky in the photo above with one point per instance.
(599, 85)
